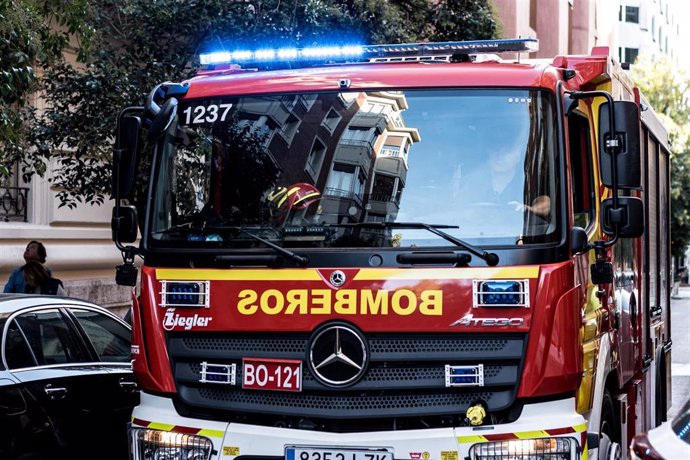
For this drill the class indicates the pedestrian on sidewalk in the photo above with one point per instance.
(34, 251)
(39, 281)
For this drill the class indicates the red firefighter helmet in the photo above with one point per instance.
(296, 196)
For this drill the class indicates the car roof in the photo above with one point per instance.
(9, 303)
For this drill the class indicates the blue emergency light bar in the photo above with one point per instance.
(359, 53)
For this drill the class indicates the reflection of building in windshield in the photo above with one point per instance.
(353, 147)
(369, 169)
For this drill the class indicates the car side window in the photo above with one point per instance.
(51, 339)
(110, 338)
(17, 352)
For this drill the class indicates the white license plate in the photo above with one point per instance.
(326, 453)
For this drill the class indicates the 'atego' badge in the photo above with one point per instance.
(469, 320)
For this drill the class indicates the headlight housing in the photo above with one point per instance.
(164, 445)
(525, 449)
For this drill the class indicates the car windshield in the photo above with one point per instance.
(318, 169)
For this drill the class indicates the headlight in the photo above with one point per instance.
(164, 445)
(524, 449)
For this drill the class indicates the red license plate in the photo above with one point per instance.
(271, 374)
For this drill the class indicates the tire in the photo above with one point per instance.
(609, 431)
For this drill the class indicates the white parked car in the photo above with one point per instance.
(669, 441)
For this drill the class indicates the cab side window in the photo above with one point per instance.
(110, 339)
(50, 338)
(581, 170)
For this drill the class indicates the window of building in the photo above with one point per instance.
(345, 181)
(390, 150)
(620, 13)
(15, 197)
(307, 100)
(632, 14)
(261, 128)
(330, 122)
(653, 28)
(533, 14)
(359, 135)
(384, 189)
(290, 127)
(630, 55)
(315, 159)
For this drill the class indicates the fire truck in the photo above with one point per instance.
(430, 251)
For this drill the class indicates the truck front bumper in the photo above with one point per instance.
(551, 429)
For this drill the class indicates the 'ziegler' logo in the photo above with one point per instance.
(469, 320)
(173, 320)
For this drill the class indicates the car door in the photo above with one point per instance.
(109, 339)
(63, 379)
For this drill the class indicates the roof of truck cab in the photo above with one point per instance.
(375, 76)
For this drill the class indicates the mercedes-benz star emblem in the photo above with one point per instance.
(338, 355)
(337, 278)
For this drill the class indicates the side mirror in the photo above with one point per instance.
(124, 224)
(125, 156)
(627, 135)
(578, 240)
(629, 216)
(163, 119)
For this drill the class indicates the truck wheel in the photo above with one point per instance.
(609, 432)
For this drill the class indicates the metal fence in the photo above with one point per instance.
(14, 203)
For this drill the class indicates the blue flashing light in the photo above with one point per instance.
(242, 55)
(265, 54)
(181, 293)
(371, 52)
(218, 57)
(502, 293)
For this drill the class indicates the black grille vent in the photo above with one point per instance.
(405, 379)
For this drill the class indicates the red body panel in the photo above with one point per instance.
(417, 301)
(402, 75)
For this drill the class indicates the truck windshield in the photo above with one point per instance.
(301, 170)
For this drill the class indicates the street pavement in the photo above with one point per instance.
(680, 353)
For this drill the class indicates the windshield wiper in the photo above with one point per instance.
(301, 260)
(489, 257)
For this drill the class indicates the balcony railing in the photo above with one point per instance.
(14, 203)
(383, 198)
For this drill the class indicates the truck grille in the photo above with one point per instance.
(405, 380)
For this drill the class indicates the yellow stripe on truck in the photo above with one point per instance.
(287, 274)
(377, 274)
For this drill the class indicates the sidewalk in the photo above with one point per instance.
(680, 353)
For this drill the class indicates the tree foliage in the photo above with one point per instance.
(123, 48)
(666, 87)
(32, 33)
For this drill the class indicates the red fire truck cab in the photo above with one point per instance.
(417, 251)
